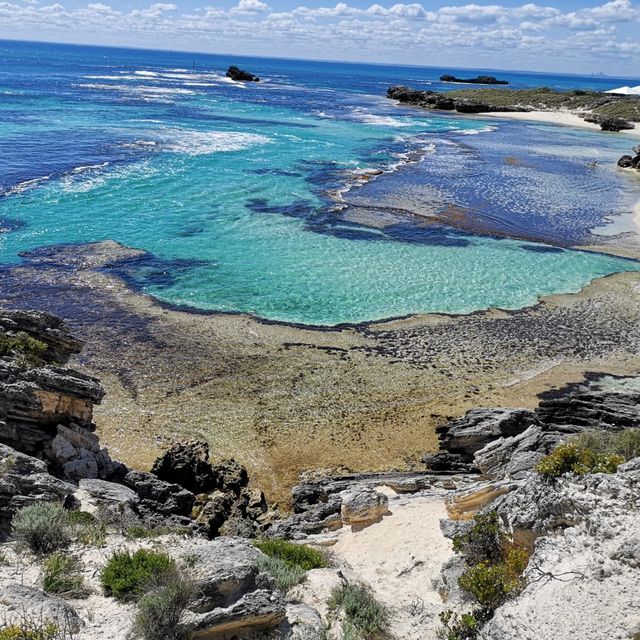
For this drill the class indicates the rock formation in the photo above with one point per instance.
(240, 75)
(477, 80)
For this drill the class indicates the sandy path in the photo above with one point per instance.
(399, 558)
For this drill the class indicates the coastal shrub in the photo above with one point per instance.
(161, 607)
(61, 575)
(125, 576)
(364, 617)
(491, 585)
(625, 443)
(572, 457)
(87, 529)
(21, 345)
(285, 575)
(299, 555)
(484, 541)
(43, 527)
(46, 631)
(458, 627)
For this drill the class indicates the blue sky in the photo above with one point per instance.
(558, 35)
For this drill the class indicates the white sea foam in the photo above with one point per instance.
(25, 186)
(195, 143)
(377, 120)
(146, 74)
(475, 132)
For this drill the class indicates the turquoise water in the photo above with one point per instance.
(268, 199)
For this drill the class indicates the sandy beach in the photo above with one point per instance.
(564, 118)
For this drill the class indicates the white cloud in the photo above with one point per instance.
(250, 6)
(600, 37)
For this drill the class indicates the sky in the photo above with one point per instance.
(570, 36)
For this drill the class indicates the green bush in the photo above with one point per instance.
(484, 541)
(21, 345)
(299, 555)
(161, 607)
(285, 575)
(365, 618)
(46, 631)
(492, 584)
(88, 529)
(126, 576)
(571, 457)
(43, 527)
(459, 627)
(61, 575)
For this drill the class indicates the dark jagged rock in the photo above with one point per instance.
(239, 75)
(608, 123)
(445, 461)
(159, 496)
(625, 162)
(187, 464)
(476, 80)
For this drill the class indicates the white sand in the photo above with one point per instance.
(400, 557)
(564, 118)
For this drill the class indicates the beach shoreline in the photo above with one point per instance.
(561, 118)
(281, 399)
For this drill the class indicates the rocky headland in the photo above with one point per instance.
(400, 546)
(609, 111)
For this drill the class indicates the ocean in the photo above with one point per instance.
(308, 197)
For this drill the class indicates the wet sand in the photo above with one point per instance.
(281, 398)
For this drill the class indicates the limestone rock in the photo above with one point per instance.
(363, 506)
(303, 623)
(103, 492)
(478, 427)
(17, 600)
(25, 480)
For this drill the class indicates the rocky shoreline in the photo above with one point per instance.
(610, 112)
(388, 534)
(236, 382)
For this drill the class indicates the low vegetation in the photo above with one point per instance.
(543, 98)
(363, 617)
(23, 347)
(43, 527)
(161, 607)
(62, 576)
(126, 576)
(285, 575)
(591, 452)
(493, 574)
(299, 555)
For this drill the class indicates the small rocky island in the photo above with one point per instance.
(239, 75)
(477, 80)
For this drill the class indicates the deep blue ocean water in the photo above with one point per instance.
(308, 197)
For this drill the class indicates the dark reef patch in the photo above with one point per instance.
(9, 224)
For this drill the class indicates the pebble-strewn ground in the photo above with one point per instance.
(281, 399)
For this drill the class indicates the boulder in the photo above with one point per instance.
(363, 506)
(93, 493)
(234, 597)
(303, 623)
(18, 602)
(159, 496)
(625, 162)
(239, 75)
(25, 480)
(467, 435)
